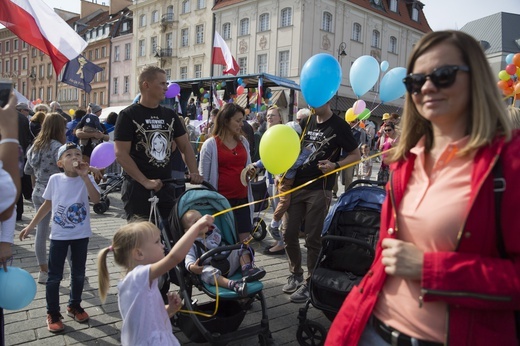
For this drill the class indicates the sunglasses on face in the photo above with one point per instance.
(388, 130)
(441, 77)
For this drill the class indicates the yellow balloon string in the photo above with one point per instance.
(301, 186)
(202, 313)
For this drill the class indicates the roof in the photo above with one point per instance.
(497, 33)
(250, 81)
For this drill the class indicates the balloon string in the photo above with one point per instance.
(301, 186)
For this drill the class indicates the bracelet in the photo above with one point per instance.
(337, 164)
(9, 140)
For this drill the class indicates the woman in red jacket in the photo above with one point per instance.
(438, 277)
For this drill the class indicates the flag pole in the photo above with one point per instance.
(211, 70)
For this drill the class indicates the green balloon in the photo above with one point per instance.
(219, 86)
(364, 115)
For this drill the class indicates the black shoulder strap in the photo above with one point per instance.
(200, 248)
(499, 186)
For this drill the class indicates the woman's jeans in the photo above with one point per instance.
(57, 254)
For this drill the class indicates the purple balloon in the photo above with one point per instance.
(103, 155)
(199, 117)
(173, 90)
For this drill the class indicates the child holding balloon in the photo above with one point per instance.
(137, 247)
(67, 195)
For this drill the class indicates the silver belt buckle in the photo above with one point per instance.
(395, 337)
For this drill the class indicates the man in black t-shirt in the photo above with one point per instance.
(327, 135)
(144, 136)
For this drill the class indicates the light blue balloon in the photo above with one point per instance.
(384, 66)
(392, 86)
(240, 81)
(509, 58)
(17, 288)
(364, 73)
(137, 98)
(320, 79)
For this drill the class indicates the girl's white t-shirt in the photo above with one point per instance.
(145, 320)
(8, 195)
(70, 207)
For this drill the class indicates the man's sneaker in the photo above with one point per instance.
(54, 324)
(42, 277)
(293, 282)
(253, 274)
(77, 313)
(301, 295)
(240, 288)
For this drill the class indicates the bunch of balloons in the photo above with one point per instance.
(509, 81)
(357, 112)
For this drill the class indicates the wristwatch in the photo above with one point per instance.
(337, 164)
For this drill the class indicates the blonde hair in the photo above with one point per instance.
(38, 117)
(53, 127)
(125, 240)
(514, 114)
(488, 116)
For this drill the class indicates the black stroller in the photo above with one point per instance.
(349, 236)
(112, 183)
(224, 326)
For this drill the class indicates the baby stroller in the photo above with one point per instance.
(259, 189)
(223, 327)
(112, 183)
(349, 236)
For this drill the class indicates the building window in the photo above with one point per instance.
(184, 72)
(376, 37)
(24, 63)
(415, 14)
(8, 68)
(264, 22)
(15, 65)
(226, 31)
(186, 6)
(184, 38)
(142, 48)
(24, 45)
(393, 5)
(40, 93)
(284, 63)
(169, 40)
(168, 74)
(15, 44)
(392, 45)
(262, 63)
(103, 52)
(242, 63)
(142, 20)
(49, 94)
(198, 71)
(155, 16)
(199, 33)
(327, 22)
(126, 86)
(201, 4)
(169, 11)
(101, 98)
(126, 27)
(96, 53)
(117, 53)
(116, 85)
(7, 47)
(49, 70)
(286, 17)
(153, 44)
(41, 73)
(128, 50)
(356, 32)
(244, 27)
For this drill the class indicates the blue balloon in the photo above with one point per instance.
(17, 288)
(240, 81)
(223, 83)
(384, 66)
(392, 86)
(364, 73)
(320, 79)
(509, 58)
(137, 98)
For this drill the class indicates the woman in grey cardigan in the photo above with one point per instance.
(223, 157)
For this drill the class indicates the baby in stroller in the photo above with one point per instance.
(221, 265)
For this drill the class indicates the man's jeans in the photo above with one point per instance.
(57, 254)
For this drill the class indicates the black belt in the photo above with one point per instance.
(395, 337)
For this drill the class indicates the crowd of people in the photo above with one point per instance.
(450, 278)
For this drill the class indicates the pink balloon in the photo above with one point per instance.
(359, 106)
(103, 155)
(240, 90)
(173, 90)
(511, 69)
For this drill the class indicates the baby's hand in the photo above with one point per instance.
(195, 268)
(174, 303)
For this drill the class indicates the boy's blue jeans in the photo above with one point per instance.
(57, 255)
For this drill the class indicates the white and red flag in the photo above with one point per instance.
(34, 22)
(222, 56)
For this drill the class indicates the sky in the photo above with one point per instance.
(441, 14)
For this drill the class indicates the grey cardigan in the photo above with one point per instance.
(208, 165)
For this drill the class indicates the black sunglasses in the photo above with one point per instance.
(441, 77)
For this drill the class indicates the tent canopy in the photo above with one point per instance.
(250, 80)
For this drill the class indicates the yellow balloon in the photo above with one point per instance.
(71, 111)
(279, 148)
(350, 116)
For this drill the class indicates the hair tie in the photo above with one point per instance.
(110, 248)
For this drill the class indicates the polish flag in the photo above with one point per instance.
(37, 24)
(222, 56)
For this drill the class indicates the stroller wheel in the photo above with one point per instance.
(102, 206)
(259, 229)
(311, 333)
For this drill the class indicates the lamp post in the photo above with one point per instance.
(341, 54)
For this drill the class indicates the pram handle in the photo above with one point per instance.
(187, 180)
(367, 182)
(218, 250)
(349, 240)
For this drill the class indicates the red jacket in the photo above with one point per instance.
(481, 289)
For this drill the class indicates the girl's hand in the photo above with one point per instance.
(96, 173)
(203, 224)
(25, 233)
(402, 259)
(174, 303)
